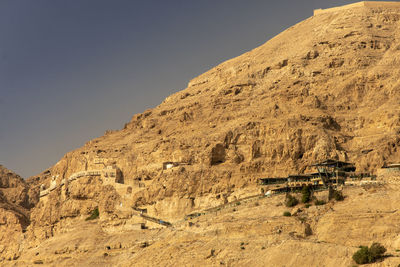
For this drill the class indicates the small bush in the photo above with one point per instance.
(94, 215)
(369, 255)
(291, 201)
(305, 194)
(335, 194)
(376, 251)
(307, 205)
(361, 256)
(287, 214)
(338, 195)
(319, 202)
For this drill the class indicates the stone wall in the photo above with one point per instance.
(110, 175)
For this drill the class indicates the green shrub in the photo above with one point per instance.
(305, 194)
(318, 202)
(361, 256)
(94, 215)
(287, 214)
(335, 194)
(338, 195)
(291, 201)
(369, 255)
(376, 251)
(307, 205)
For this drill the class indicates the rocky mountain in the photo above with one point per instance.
(324, 88)
(14, 212)
(327, 87)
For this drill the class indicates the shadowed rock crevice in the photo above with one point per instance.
(217, 154)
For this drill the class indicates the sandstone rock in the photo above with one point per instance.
(14, 213)
(272, 111)
(325, 88)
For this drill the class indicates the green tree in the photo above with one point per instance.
(291, 201)
(305, 194)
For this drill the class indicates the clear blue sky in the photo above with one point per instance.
(69, 70)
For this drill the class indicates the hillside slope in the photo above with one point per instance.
(328, 87)
(14, 212)
(251, 234)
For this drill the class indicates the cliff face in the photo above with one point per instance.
(251, 234)
(327, 87)
(14, 212)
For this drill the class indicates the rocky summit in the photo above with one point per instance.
(326, 88)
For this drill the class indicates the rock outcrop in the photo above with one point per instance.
(14, 213)
(328, 87)
(324, 88)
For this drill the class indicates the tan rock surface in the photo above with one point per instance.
(251, 234)
(328, 87)
(14, 213)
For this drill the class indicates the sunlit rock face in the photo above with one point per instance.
(14, 213)
(324, 88)
(327, 87)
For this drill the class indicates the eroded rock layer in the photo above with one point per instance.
(328, 87)
(14, 213)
